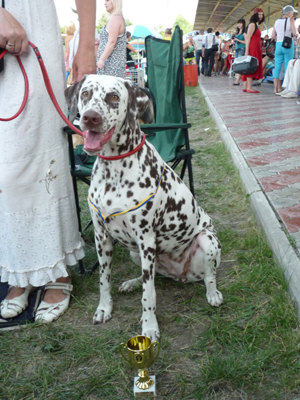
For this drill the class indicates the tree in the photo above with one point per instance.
(102, 22)
(62, 29)
(160, 29)
(127, 22)
(185, 25)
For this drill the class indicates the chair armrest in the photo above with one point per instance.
(148, 128)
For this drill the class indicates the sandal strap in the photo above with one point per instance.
(12, 303)
(65, 287)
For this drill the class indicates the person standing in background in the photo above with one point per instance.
(198, 40)
(111, 57)
(240, 44)
(253, 48)
(209, 41)
(284, 26)
(168, 34)
(70, 29)
(38, 221)
(217, 54)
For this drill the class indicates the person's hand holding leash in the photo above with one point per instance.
(13, 37)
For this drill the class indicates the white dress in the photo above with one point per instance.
(38, 222)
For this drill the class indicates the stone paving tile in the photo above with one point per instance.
(291, 217)
(296, 236)
(276, 167)
(263, 135)
(286, 197)
(257, 151)
(267, 121)
(266, 141)
(243, 131)
(276, 109)
(267, 130)
(280, 180)
(274, 156)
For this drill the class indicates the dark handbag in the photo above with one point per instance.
(245, 65)
(287, 41)
(215, 46)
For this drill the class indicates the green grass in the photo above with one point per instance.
(249, 348)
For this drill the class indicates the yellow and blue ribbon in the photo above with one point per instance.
(142, 203)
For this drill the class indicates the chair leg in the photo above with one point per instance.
(81, 267)
(183, 169)
(76, 201)
(191, 180)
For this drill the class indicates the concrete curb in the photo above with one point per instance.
(283, 252)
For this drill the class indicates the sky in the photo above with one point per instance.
(141, 12)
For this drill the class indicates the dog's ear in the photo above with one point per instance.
(142, 101)
(71, 95)
(137, 103)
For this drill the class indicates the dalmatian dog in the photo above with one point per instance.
(162, 225)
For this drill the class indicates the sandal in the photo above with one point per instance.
(49, 312)
(13, 307)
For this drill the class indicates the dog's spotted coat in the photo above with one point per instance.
(170, 234)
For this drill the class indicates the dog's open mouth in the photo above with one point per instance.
(94, 141)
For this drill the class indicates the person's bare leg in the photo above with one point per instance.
(56, 295)
(14, 292)
(51, 295)
(276, 84)
(223, 69)
(238, 78)
(279, 87)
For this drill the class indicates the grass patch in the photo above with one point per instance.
(249, 348)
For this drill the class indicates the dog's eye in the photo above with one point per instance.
(115, 97)
(85, 94)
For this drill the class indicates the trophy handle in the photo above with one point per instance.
(156, 344)
(122, 347)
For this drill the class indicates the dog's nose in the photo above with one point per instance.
(91, 117)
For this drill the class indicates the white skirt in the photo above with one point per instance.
(38, 223)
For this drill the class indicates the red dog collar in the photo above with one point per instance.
(112, 158)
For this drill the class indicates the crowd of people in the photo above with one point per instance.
(214, 55)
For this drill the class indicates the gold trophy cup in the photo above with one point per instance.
(140, 356)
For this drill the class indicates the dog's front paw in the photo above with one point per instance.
(214, 299)
(128, 286)
(102, 314)
(151, 331)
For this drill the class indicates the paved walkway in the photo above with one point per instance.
(266, 132)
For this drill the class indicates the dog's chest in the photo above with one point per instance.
(119, 194)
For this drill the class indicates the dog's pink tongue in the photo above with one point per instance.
(94, 141)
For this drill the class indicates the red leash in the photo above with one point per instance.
(48, 87)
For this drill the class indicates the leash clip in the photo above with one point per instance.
(37, 53)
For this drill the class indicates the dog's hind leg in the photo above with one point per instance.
(131, 284)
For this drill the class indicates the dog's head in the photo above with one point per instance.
(107, 106)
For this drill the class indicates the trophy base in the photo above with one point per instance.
(145, 393)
